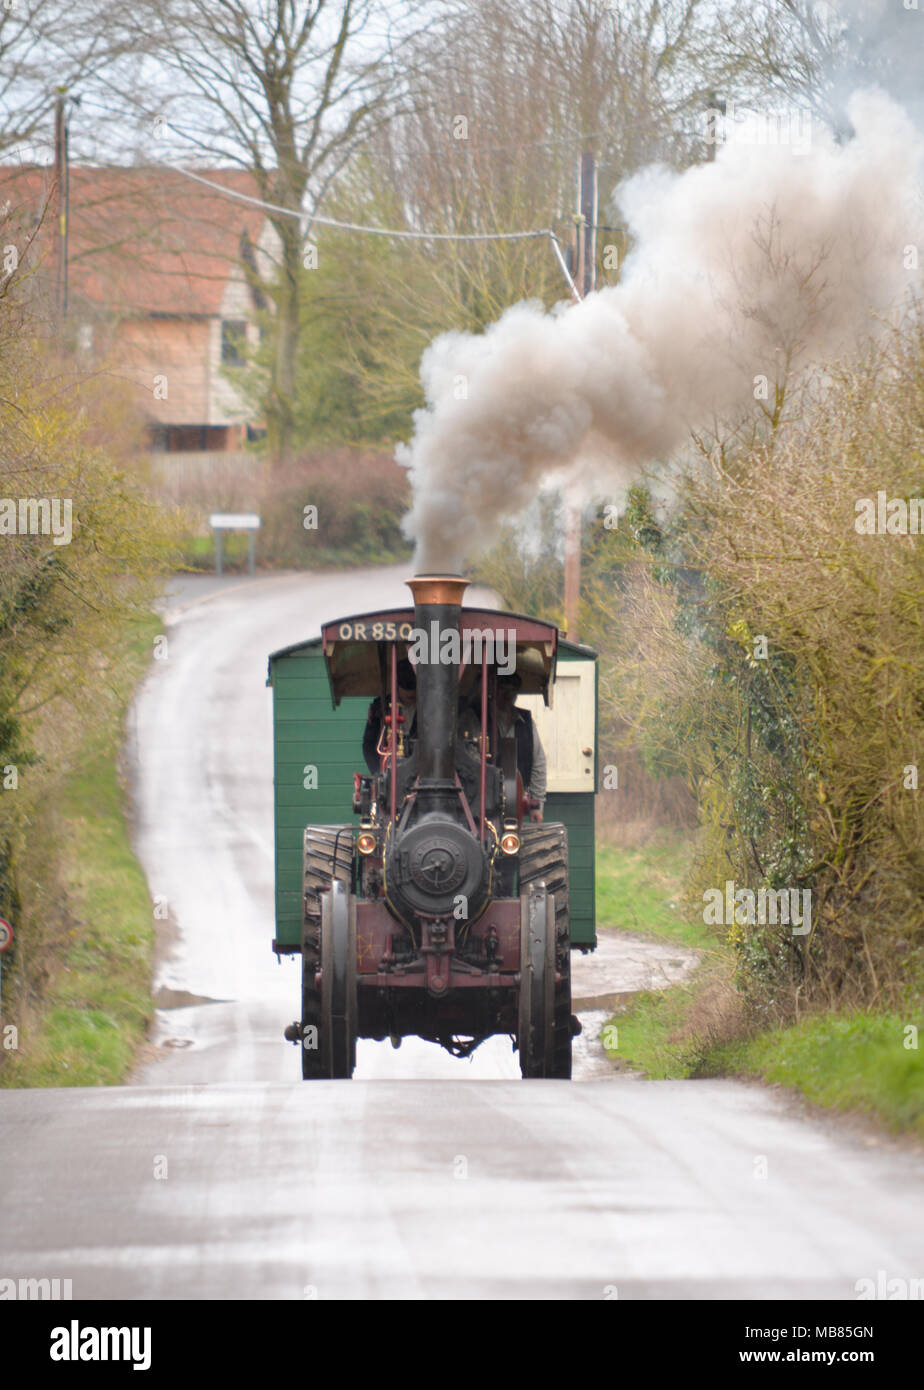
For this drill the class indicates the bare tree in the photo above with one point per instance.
(497, 103)
(47, 47)
(286, 89)
(785, 51)
(502, 100)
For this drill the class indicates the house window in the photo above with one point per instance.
(233, 338)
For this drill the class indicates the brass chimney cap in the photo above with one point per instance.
(437, 588)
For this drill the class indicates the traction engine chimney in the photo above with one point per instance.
(437, 610)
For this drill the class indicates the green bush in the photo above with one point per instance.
(774, 656)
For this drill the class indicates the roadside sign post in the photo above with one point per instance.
(6, 941)
(235, 521)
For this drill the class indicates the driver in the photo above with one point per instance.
(511, 720)
(531, 763)
(407, 704)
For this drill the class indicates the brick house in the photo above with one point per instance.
(158, 288)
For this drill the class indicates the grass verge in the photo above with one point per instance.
(670, 1034)
(640, 889)
(95, 1002)
(663, 1033)
(862, 1063)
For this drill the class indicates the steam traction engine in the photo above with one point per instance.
(445, 913)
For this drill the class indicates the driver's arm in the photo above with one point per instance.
(371, 736)
(537, 781)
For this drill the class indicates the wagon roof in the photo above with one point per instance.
(353, 647)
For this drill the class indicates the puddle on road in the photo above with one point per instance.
(182, 999)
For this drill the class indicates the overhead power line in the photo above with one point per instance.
(394, 232)
(357, 226)
(397, 234)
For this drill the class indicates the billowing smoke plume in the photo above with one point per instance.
(743, 269)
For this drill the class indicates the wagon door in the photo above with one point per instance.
(568, 731)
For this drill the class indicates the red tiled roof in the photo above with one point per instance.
(140, 240)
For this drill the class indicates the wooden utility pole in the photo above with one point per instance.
(587, 195)
(715, 106)
(585, 276)
(572, 566)
(61, 168)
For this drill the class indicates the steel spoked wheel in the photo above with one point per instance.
(338, 983)
(328, 859)
(545, 1043)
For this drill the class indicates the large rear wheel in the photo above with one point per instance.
(545, 991)
(327, 1016)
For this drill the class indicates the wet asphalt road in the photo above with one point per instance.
(218, 1174)
(426, 1189)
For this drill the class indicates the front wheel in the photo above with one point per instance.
(338, 982)
(544, 1024)
(536, 1015)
